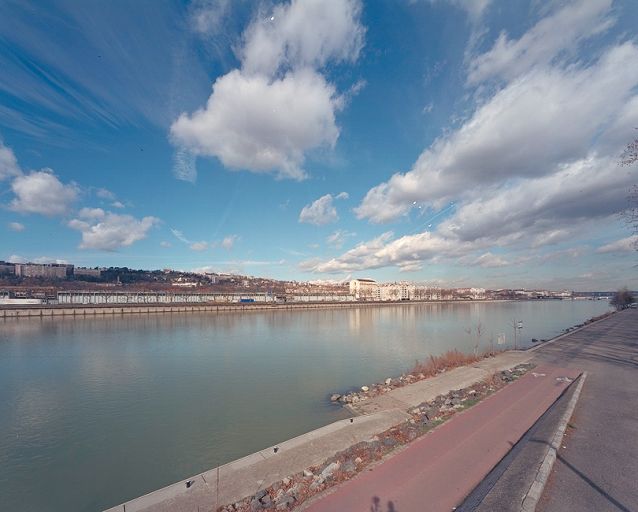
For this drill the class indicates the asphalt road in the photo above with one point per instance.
(597, 466)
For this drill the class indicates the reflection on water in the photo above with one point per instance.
(100, 410)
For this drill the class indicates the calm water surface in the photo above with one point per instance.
(97, 411)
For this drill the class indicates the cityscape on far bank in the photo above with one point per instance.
(62, 283)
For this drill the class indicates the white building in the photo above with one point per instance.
(365, 289)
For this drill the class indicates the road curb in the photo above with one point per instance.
(530, 501)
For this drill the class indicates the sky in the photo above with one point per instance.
(448, 142)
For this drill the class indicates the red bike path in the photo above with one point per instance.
(436, 472)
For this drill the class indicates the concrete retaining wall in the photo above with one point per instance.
(84, 311)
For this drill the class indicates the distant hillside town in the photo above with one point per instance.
(62, 283)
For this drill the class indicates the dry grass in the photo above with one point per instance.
(448, 360)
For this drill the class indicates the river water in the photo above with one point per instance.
(96, 411)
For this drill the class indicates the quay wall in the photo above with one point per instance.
(97, 310)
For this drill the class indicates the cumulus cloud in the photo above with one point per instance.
(16, 226)
(508, 137)
(108, 231)
(8, 163)
(628, 244)
(266, 115)
(322, 211)
(42, 192)
(535, 213)
(382, 251)
(303, 33)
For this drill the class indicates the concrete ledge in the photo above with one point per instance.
(243, 477)
(530, 501)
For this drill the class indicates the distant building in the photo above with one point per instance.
(87, 272)
(365, 289)
(49, 270)
(7, 268)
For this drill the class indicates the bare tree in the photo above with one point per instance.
(622, 299)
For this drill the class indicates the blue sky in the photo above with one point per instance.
(449, 142)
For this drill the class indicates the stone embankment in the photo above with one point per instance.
(294, 490)
(327, 455)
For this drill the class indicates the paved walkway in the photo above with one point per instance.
(597, 468)
(437, 471)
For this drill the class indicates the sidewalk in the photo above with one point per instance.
(437, 471)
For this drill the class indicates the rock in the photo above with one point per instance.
(315, 486)
(455, 401)
(255, 505)
(416, 410)
(329, 470)
(389, 441)
(388, 381)
(448, 401)
(307, 472)
(335, 397)
(349, 467)
(266, 501)
(285, 500)
(286, 481)
(260, 494)
(365, 389)
(358, 460)
(471, 392)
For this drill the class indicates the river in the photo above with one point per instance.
(95, 411)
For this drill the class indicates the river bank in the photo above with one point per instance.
(314, 459)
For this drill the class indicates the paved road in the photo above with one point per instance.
(437, 471)
(597, 468)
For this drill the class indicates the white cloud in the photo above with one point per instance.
(303, 33)
(42, 192)
(338, 238)
(8, 163)
(109, 231)
(628, 244)
(229, 241)
(16, 226)
(165, 244)
(489, 260)
(406, 252)
(548, 39)
(16, 258)
(265, 116)
(322, 211)
(508, 137)
(264, 126)
(117, 204)
(543, 210)
(199, 246)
